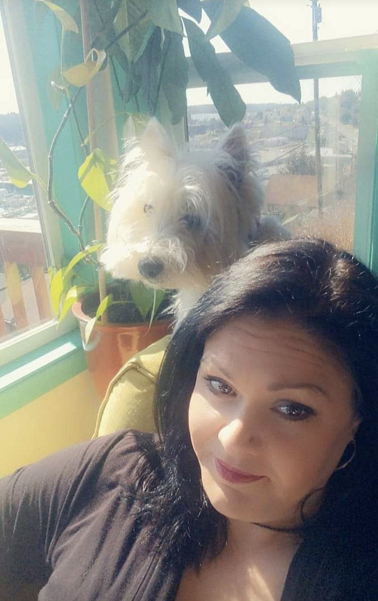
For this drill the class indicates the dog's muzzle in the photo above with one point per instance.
(150, 268)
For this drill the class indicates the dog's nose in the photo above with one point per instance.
(150, 268)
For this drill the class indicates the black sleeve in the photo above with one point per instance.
(35, 503)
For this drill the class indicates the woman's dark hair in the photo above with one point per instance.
(331, 294)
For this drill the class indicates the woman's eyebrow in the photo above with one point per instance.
(276, 386)
(212, 361)
(284, 385)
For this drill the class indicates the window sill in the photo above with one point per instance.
(36, 373)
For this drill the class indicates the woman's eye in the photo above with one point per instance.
(219, 387)
(294, 411)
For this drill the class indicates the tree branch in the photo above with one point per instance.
(50, 199)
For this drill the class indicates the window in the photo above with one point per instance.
(312, 188)
(24, 297)
(26, 227)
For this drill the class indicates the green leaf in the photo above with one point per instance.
(121, 57)
(65, 19)
(257, 43)
(71, 297)
(95, 179)
(108, 9)
(148, 64)
(159, 296)
(132, 82)
(227, 11)
(18, 174)
(150, 30)
(226, 98)
(103, 306)
(202, 52)
(56, 290)
(164, 13)
(67, 272)
(129, 14)
(191, 8)
(175, 76)
(80, 75)
(132, 78)
(143, 298)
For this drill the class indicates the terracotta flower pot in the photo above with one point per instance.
(111, 345)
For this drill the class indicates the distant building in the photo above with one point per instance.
(287, 193)
(277, 141)
(298, 132)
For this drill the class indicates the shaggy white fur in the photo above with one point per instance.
(181, 218)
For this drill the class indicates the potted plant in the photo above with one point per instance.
(141, 41)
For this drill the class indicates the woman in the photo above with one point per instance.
(263, 484)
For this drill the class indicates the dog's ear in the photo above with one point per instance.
(236, 145)
(156, 144)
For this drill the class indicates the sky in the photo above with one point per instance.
(341, 18)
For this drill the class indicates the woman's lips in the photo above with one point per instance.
(234, 475)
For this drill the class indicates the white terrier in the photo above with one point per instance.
(181, 218)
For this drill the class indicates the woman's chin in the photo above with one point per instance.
(230, 502)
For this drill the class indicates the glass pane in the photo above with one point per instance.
(336, 18)
(24, 298)
(310, 196)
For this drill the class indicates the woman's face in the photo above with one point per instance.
(270, 417)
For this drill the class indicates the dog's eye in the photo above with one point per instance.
(148, 208)
(192, 222)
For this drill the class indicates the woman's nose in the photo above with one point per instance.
(240, 433)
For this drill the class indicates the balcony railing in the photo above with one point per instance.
(24, 296)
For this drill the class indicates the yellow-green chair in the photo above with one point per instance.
(128, 399)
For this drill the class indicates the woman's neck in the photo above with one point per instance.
(251, 539)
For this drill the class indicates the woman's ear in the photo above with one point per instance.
(355, 425)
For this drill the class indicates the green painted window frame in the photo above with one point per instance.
(21, 382)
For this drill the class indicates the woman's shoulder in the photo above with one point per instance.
(122, 452)
(103, 461)
(123, 442)
(116, 457)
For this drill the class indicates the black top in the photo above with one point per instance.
(68, 521)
